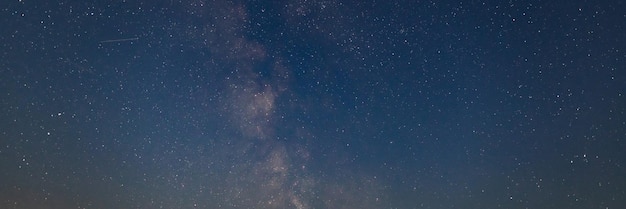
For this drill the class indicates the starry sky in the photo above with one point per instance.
(312, 104)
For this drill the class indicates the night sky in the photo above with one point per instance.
(312, 104)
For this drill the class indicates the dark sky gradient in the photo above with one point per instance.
(313, 104)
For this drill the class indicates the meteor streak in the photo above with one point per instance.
(119, 40)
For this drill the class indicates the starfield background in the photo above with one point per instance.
(312, 104)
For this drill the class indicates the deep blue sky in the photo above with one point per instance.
(313, 104)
